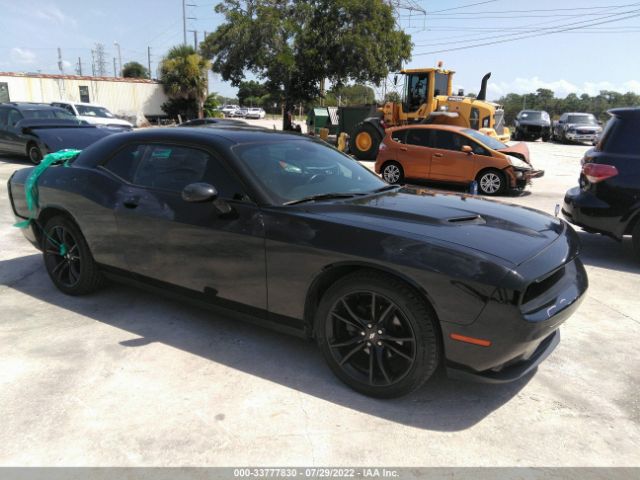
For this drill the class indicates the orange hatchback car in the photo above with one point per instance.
(449, 154)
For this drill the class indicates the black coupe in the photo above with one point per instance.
(286, 231)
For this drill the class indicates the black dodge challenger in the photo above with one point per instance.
(285, 231)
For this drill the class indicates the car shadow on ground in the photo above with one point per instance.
(457, 188)
(18, 160)
(442, 404)
(604, 252)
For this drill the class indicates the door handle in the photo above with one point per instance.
(438, 155)
(131, 202)
(404, 149)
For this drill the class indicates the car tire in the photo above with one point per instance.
(348, 325)
(366, 141)
(67, 258)
(34, 153)
(491, 182)
(635, 235)
(392, 173)
(546, 138)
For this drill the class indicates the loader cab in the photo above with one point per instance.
(421, 86)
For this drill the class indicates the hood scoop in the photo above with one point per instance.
(467, 220)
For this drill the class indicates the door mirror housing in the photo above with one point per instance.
(199, 192)
(467, 149)
(395, 79)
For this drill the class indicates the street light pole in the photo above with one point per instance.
(119, 58)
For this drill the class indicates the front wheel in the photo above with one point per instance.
(377, 334)
(491, 182)
(636, 240)
(365, 143)
(68, 259)
(34, 153)
(392, 172)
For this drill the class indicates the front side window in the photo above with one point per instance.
(485, 139)
(399, 136)
(293, 170)
(4, 115)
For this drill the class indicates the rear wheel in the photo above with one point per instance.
(68, 259)
(392, 172)
(491, 182)
(365, 143)
(377, 334)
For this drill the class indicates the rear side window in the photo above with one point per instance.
(399, 136)
(420, 137)
(172, 167)
(621, 136)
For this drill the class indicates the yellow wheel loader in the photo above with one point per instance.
(428, 98)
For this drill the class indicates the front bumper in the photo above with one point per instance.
(581, 137)
(521, 178)
(521, 326)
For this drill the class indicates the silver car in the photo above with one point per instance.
(577, 127)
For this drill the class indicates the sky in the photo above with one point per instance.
(579, 46)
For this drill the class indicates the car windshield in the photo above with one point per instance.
(48, 114)
(294, 170)
(485, 139)
(91, 111)
(582, 119)
(531, 115)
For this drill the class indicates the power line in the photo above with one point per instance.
(561, 28)
(536, 10)
(462, 6)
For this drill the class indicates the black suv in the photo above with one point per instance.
(607, 200)
(35, 129)
(532, 124)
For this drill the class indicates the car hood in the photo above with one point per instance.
(509, 232)
(519, 150)
(76, 137)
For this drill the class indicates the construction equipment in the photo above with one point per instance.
(428, 98)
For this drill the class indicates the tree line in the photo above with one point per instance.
(545, 99)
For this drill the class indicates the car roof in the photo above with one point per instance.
(79, 103)
(431, 126)
(234, 135)
(625, 112)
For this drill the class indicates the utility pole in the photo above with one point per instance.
(149, 60)
(93, 63)
(185, 18)
(79, 68)
(60, 64)
(114, 67)
(119, 58)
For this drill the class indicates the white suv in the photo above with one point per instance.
(255, 112)
(93, 114)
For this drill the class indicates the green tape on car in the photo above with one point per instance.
(31, 185)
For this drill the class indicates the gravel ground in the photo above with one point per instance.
(123, 377)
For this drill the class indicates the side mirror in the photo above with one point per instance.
(467, 149)
(395, 79)
(199, 192)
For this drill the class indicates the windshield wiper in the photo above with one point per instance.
(385, 188)
(322, 196)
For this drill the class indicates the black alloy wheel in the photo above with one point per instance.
(68, 259)
(377, 335)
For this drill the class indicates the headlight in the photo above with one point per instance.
(545, 117)
(571, 129)
(517, 163)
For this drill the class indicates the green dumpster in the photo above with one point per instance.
(349, 117)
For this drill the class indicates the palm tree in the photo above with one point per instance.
(183, 72)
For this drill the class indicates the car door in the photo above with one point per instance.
(12, 138)
(4, 135)
(215, 248)
(414, 154)
(449, 163)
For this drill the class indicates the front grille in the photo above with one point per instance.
(532, 128)
(499, 121)
(585, 132)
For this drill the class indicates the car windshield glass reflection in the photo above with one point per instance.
(48, 114)
(88, 111)
(582, 119)
(296, 170)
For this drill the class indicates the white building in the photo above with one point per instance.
(125, 97)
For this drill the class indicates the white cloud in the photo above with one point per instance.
(561, 88)
(22, 55)
(53, 14)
